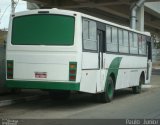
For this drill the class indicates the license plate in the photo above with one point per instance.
(40, 75)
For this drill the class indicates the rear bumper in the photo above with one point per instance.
(42, 85)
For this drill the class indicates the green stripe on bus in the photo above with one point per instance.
(113, 68)
(42, 85)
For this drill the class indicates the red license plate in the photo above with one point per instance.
(40, 75)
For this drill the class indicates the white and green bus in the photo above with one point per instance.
(63, 51)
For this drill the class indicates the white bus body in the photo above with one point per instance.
(84, 62)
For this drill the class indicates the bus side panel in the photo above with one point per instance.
(148, 78)
(30, 66)
(90, 74)
(90, 60)
(130, 70)
(89, 81)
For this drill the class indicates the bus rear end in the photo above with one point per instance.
(42, 51)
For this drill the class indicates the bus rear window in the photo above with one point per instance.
(43, 29)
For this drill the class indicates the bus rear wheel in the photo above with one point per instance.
(59, 95)
(15, 91)
(107, 95)
(138, 89)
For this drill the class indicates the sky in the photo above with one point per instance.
(6, 5)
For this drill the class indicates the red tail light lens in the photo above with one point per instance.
(9, 69)
(72, 71)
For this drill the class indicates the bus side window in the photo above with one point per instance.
(133, 43)
(139, 44)
(89, 35)
(124, 48)
(120, 38)
(108, 37)
(85, 29)
(111, 39)
(143, 46)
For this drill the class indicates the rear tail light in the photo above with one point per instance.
(72, 71)
(9, 69)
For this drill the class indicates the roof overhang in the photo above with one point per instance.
(117, 10)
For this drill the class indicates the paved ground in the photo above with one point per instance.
(156, 71)
(10, 98)
(82, 106)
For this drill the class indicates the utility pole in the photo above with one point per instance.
(13, 5)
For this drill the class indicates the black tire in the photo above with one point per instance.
(59, 95)
(15, 91)
(107, 95)
(138, 89)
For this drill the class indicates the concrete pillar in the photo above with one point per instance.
(13, 5)
(140, 18)
(32, 6)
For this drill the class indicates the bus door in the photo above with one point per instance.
(101, 34)
(149, 60)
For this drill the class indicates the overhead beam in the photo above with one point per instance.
(113, 12)
(78, 3)
(113, 7)
(152, 0)
(92, 4)
(147, 22)
(149, 10)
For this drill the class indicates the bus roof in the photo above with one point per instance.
(73, 13)
(114, 24)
